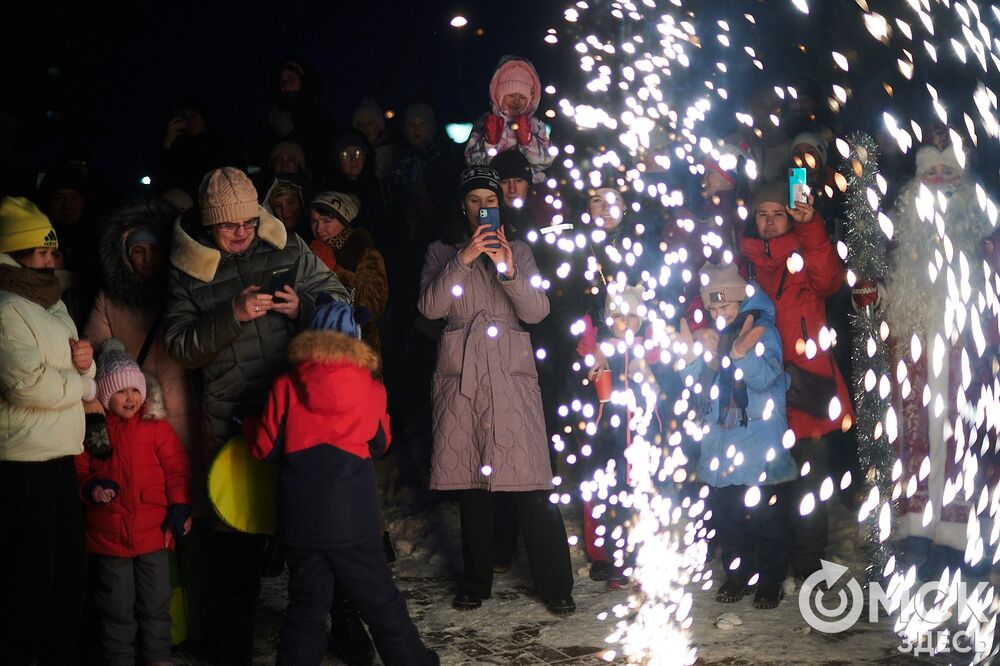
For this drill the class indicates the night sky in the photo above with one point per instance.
(97, 81)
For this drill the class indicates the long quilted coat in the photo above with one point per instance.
(239, 361)
(489, 432)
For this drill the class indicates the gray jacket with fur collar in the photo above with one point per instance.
(239, 361)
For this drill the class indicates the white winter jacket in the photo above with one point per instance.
(41, 393)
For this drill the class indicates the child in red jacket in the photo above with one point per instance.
(134, 478)
(324, 420)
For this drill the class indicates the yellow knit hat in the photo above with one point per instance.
(23, 226)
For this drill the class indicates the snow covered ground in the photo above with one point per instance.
(514, 628)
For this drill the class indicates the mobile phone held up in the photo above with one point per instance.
(281, 278)
(490, 216)
(798, 190)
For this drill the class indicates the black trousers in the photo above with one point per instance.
(544, 534)
(758, 535)
(504, 528)
(240, 558)
(43, 562)
(812, 531)
(366, 578)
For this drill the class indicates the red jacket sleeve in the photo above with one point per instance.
(268, 440)
(588, 342)
(175, 463)
(823, 267)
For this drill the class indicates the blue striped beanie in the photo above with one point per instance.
(335, 316)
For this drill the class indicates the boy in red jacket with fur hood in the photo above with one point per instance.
(135, 480)
(324, 420)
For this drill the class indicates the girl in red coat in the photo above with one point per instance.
(134, 478)
(790, 255)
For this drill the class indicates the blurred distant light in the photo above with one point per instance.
(146, 180)
(390, 114)
(459, 22)
(458, 132)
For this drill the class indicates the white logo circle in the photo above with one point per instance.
(822, 618)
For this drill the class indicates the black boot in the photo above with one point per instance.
(349, 640)
(390, 551)
(274, 559)
(732, 591)
(768, 595)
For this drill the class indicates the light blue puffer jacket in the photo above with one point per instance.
(752, 454)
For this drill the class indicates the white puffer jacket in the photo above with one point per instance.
(41, 393)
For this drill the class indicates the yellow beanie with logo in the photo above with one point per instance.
(23, 226)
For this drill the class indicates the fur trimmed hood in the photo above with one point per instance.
(334, 373)
(328, 347)
(194, 257)
(123, 286)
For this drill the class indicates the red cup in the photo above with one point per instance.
(602, 385)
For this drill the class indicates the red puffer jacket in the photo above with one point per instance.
(152, 470)
(800, 300)
(323, 422)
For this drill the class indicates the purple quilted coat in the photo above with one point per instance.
(489, 432)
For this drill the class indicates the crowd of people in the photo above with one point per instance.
(355, 295)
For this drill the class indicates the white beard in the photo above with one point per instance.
(915, 304)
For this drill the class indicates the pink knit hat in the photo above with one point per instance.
(227, 195)
(116, 371)
(515, 75)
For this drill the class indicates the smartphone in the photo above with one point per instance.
(281, 278)
(798, 190)
(490, 216)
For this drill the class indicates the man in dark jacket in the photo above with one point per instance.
(221, 319)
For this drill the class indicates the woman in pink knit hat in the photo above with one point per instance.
(515, 92)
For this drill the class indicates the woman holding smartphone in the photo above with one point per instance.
(489, 432)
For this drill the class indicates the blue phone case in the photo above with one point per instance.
(797, 187)
(490, 216)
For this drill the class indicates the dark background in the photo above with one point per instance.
(97, 81)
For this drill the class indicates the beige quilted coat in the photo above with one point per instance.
(489, 432)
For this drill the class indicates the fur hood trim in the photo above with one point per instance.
(156, 405)
(193, 257)
(332, 347)
(123, 286)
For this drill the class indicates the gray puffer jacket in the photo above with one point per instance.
(239, 361)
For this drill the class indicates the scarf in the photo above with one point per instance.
(732, 394)
(36, 286)
(338, 241)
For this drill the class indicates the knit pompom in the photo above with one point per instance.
(112, 345)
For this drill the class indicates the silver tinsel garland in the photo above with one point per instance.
(866, 259)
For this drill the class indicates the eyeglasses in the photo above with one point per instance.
(355, 154)
(233, 227)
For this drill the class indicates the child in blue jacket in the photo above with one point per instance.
(736, 392)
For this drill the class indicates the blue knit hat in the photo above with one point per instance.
(335, 316)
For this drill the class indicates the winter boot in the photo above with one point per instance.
(732, 591)
(349, 640)
(390, 550)
(274, 559)
(768, 595)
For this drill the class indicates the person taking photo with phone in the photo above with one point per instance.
(789, 253)
(221, 319)
(489, 431)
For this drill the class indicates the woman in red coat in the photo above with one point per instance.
(790, 255)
